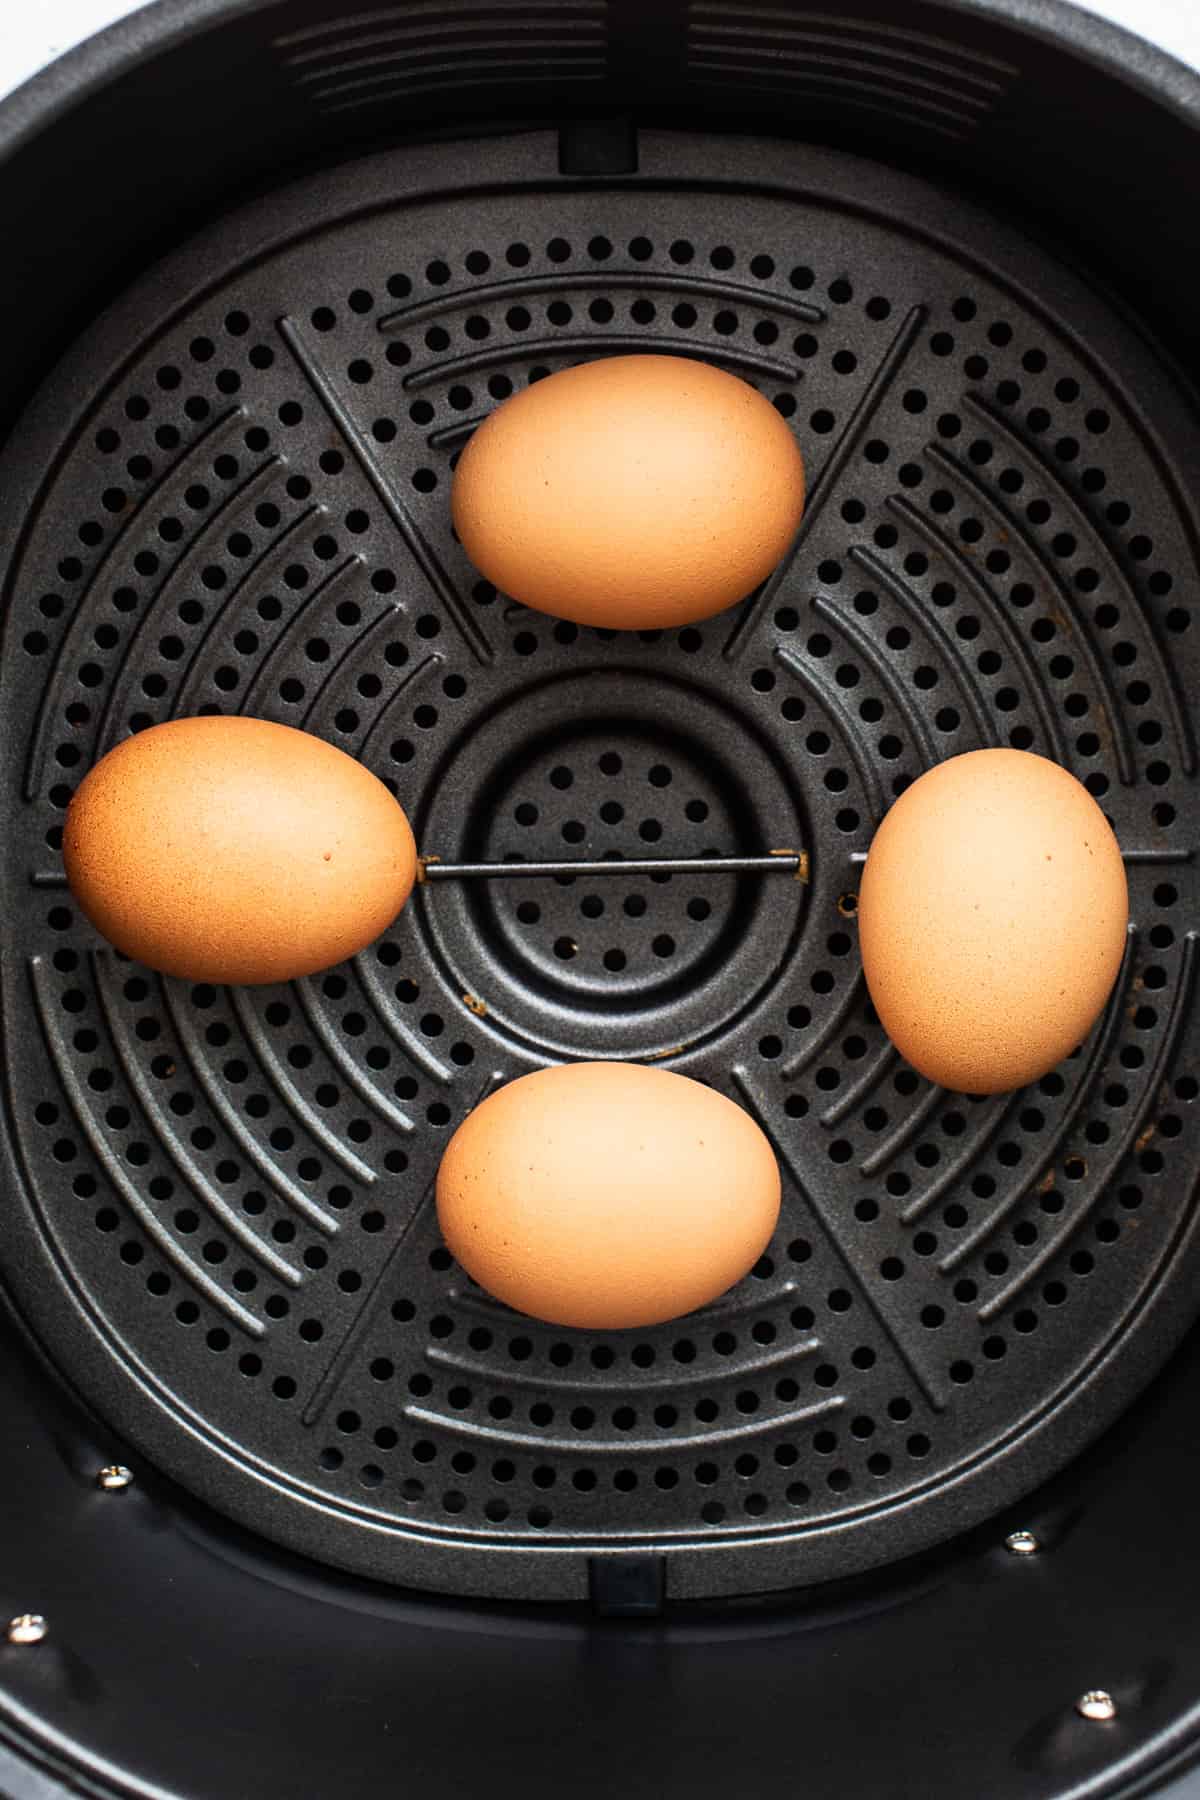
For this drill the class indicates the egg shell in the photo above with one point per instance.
(637, 492)
(234, 850)
(607, 1195)
(992, 917)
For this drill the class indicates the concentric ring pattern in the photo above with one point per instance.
(230, 1192)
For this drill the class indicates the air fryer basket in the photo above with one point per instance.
(230, 494)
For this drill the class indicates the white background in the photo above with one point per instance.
(32, 33)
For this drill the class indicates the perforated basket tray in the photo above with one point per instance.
(233, 496)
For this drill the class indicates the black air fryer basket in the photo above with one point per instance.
(294, 1509)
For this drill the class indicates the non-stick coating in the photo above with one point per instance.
(234, 497)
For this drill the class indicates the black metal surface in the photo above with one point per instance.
(1033, 101)
(956, 1675)
(162, 1616)
(234, 494)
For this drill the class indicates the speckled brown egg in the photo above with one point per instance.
(992, 915)
(607, 1195)
(234, 850)
(635, 492)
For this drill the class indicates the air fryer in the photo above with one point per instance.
(290, 1507)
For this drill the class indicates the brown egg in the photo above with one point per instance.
(992, 916)
(234, 850)
(607, 1195)
(641, 491)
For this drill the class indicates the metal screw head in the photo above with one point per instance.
(1021, 1543)
(114, 1478)
(1096, 1705)
(27, 1628)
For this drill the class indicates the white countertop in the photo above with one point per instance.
(32, 35)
